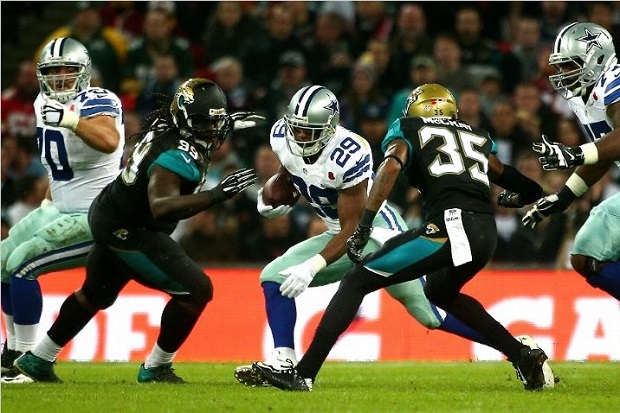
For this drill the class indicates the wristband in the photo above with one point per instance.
(590, 153)
(576, 185)
(368, 217)
(70, 120)
(316, 263)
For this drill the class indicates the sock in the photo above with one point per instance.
(452, 325)
(281, 315)
(158, 357)
(608, 279)
(47, 349)
(10, 332)
(25, 336)
(27, 301)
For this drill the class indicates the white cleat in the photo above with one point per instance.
(550, 378)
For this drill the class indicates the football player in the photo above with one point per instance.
(81, 137)
(451, 163)
(331, 167)
(588, 77)
(131, 221)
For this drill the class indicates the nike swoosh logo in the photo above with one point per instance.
(187, 160)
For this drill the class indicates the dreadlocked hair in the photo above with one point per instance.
(158, 120)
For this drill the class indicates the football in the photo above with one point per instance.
(279, 190)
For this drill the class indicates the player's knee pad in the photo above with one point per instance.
(66, 229)
(270, 272)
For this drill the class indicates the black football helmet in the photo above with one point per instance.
(199, 112)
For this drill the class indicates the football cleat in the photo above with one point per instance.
(160, 374)
(288, 379)
(36, 368)
(14, 376)
(529, 368)
(550, 378)
(281, 358)
(7, 358)
(247, 376)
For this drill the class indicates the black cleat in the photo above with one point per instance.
(530, 368)
(287, 379)
(7, 358)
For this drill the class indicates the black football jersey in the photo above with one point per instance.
(125, 199)
(448, 162)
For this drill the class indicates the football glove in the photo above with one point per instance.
(549, 205)
(300, 276)
(236, 182)
(55, 113)
(243, 120)
(509, 199)
(357, 242)
(556, 155)
(270, 211)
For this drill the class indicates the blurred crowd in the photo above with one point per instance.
(493, 56)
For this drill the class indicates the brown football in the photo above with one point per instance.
(279, 190)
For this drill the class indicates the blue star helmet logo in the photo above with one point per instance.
(590, 39)
(333, 107)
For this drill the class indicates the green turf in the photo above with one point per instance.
(341, 387)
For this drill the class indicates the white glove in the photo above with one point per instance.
(300, 276)
(270, 211)
(56, 114)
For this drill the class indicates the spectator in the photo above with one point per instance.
(507, 132)
(379, 54)
(160, 88)
(227, 31)
(423, 69)
(29, 192)
(362, 93)
(409, 39)
(602, 13)
(373, 21)
(106, 45)
(450, 71)
(157, 40)
(271, 239)
(262, 50)
(127, 17)
(18, 117)
(292, 76)
(304, 18)
(6, 226)
(553, 16)
(491, 91)
(569, 132)
(480, 55)
(535, 117)
(470, 109)
(527, 47)
(330, 52)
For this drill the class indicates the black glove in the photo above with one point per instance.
(243, 120)
(556, 155)
(236, 182)
(549, 205)
(509, 199)
(357, 242)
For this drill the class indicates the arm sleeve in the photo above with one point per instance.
(513, 180)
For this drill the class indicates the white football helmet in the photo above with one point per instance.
(313, 109)
(64, 52)
(588, 48)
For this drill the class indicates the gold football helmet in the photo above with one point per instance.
(431, 101)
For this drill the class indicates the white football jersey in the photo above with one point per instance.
(344, 162)
(77, 172)
(593, 114)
